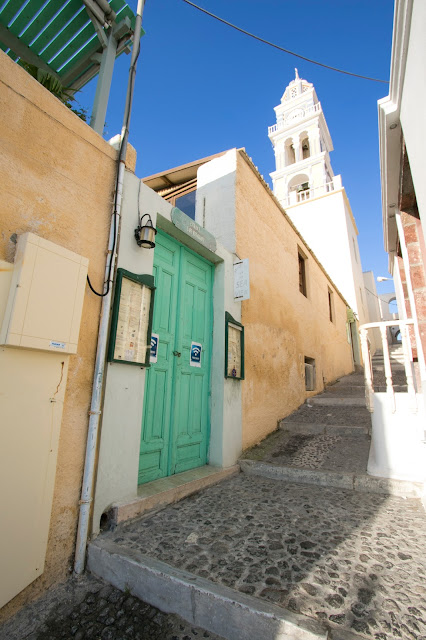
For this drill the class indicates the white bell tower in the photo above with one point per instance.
(302, 144)
(312, 196)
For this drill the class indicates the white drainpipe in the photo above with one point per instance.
(95, 408)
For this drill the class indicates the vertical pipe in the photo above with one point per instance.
(95, 408)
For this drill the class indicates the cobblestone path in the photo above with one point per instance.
(89, 609)
(354, 561)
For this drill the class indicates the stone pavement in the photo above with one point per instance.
(87, 608)
(352, 561)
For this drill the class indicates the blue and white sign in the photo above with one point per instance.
(195, 357)
(153, 354)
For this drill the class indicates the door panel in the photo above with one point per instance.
(154, 451)
(175, 427)
(191, 415)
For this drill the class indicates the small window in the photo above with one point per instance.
(310, 374)
(302, 274)
(186, 203)
(331, 305)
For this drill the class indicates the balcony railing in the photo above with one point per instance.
(295, 197)
(298, 114)
(407, 361)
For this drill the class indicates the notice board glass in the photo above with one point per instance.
(131, 323)
(234, 348)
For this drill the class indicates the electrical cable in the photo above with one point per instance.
(271, 44)
(115, 212)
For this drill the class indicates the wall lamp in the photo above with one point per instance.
(145, 233)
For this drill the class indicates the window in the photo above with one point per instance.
(330, 305)
(310, 374)
(186, 203)
(302, 274)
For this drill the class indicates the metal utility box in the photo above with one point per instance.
(46, 295)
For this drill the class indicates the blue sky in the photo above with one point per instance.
(202, 88)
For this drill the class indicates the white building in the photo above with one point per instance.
(313, 197)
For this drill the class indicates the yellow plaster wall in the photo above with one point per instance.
(58, 182)
(282, 326)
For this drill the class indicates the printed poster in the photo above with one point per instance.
(195, 354)
(132, 342)
(234, 350)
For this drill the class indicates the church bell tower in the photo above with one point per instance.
(312, 196)
(302, 145)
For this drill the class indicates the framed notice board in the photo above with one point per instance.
(234, 348)
(131, 322)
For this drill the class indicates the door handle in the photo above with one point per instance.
(177, 353)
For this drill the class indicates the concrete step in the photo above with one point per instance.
(337, 415)
(355, 482)
(326, 429)
(329, 400)
(155, 495)
(214, 607)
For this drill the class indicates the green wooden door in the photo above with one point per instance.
(175, 424)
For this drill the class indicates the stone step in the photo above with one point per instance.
(326, 429)
(337, 415)
(159, 493)
(214, 607)
(351, 481)
(329, 400)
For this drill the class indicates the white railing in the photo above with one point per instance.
(295, 197)
(407, 356)
(297, 114)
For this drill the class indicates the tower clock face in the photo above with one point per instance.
(296, 113)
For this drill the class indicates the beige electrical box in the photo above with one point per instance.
(46, 295)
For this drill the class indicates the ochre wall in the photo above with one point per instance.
(57, 181)
(282, 326)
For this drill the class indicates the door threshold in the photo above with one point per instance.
(156, 495)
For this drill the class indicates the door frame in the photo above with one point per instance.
(172, 435)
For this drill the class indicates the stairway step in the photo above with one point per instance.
(326, 429)
(335, 401)
(351, 481)
(216, 608)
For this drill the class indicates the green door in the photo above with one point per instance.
(175, 424)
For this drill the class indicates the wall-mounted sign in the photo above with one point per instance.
(241, 280)
(130, 338)
(195, 355)
(193, 229)
(234, 348)
(153, 354)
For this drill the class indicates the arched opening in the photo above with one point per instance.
(299, 183)
(290, 156)
(304, 145)
(300, 186)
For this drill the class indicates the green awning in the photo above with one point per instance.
(60, 37)
(73, 40)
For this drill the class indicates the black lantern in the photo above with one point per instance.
(145, 233)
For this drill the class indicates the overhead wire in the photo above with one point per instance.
(276, 46)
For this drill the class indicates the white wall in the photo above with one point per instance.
(413, 114)
(215, 200)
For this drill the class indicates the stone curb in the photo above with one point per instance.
(353, 482)
(216, 608)
(322, 429)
